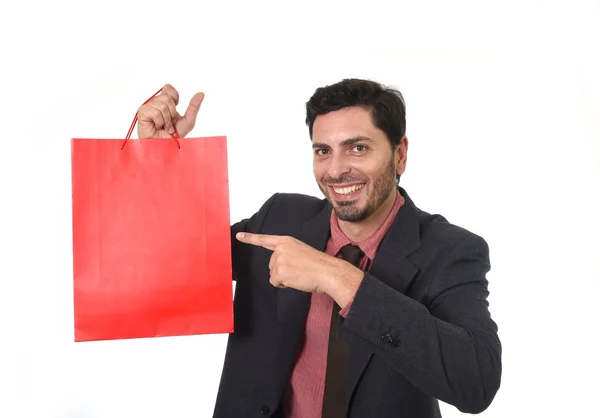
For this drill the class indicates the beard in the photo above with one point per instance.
(347, 211)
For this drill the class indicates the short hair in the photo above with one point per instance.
(386, 104)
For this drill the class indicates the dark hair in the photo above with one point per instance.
(388, 111)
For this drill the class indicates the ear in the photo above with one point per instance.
(400, 156)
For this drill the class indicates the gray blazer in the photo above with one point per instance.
(419, 327)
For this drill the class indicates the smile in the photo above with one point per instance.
(347, 190)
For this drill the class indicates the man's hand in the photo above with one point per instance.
(299, 266)
(158, 117)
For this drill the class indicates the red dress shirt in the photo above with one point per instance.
(304, 396)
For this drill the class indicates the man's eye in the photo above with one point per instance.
(320, 152)
(359, 148)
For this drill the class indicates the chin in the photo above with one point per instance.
(350, 213)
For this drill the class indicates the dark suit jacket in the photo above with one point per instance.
(419, 326)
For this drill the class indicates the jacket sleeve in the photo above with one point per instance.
(239, 250)
(447, 347)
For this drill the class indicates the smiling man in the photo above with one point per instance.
(358, 305)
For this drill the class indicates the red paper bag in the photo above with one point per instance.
(151, 238)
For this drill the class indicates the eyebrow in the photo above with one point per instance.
(345, 142)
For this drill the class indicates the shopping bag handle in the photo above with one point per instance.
(135, 119)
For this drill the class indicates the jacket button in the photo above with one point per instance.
(265, 410)
(387, 338)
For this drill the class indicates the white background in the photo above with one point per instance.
(503, 104)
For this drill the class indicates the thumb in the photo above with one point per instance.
(189, 118)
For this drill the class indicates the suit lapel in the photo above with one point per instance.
(292, 304)
(392, 267)
(391, 264)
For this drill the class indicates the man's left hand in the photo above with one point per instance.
(299, 266)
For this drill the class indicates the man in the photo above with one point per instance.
(360, 304)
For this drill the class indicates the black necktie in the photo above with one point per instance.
(338, 354)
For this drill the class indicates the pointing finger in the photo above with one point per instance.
(269, 242)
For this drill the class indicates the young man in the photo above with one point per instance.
(360, 304)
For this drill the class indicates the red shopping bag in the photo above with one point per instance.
(151, 238)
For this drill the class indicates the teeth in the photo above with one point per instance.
(348, 190)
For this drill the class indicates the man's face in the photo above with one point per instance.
(354, 163)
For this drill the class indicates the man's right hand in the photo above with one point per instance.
(157, 117)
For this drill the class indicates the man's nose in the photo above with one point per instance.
(339, 166)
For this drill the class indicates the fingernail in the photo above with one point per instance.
(171, 130)
(240, 235)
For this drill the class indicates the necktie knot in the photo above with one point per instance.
(352, 254)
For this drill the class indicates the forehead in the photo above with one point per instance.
(345, 123)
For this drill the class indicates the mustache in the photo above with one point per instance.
(328, 181)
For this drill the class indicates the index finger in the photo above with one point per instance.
(262, 240)
(169, 90)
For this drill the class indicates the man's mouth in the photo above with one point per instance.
(347, 191)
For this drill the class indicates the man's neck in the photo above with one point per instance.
(359, 231)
